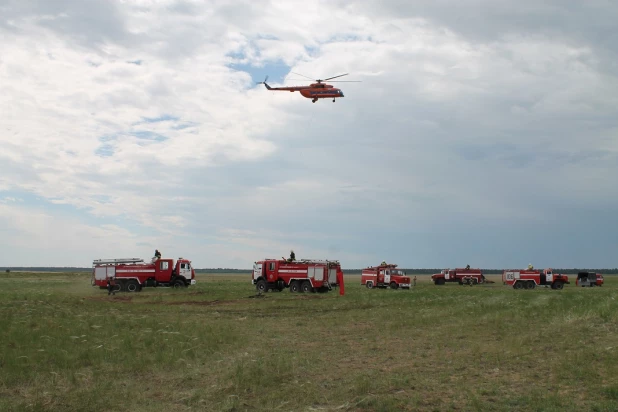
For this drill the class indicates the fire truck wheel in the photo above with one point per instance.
(394, 285)
(518, 285)
(306, 287)
(132, 286)
(558, 285)
(369, 285)
(261, 286)
(119, 286)
(531, 284)
(294, 287)
(178, 284)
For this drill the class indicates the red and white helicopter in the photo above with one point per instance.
(314, 91)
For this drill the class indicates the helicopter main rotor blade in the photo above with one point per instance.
(346, 81)
(334, 77)
(303, 76)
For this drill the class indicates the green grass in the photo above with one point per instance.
(65, 345)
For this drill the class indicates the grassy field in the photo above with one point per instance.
(65, 345)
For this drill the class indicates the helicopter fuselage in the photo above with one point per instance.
(314, 91)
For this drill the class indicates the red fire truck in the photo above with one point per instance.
(589, 279)
(305, 275)
(131, 274)
(463, 276)
(529, 279)
(384, 276)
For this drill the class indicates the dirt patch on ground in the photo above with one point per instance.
(230, 301)
(125, 299)
(129, 299)
(203, 302)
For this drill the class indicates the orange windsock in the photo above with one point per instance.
(340, 281)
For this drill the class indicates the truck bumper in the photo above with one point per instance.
(404, 285)
(193, 282)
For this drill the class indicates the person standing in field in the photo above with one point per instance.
(111, 284)
(414, 281)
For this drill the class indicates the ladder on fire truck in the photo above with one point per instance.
(317, 261)
(116, 261)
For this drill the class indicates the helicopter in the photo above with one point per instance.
(314, 91)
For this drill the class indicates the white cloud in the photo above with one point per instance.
(452, 125)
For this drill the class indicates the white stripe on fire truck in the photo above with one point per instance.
(292, 271)
(134, 271)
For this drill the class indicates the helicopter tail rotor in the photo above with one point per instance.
(264, 83)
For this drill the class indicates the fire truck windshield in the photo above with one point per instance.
(397, 272)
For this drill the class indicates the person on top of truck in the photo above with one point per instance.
(383, 263)
(467, 267)
(530, 267)
(292, 256)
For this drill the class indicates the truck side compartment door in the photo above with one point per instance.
(319, 273)
(101, 272)
(332, 275)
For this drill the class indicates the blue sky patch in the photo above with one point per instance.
(162, 118)
(276, 71)
(147, 135)
(105, 150)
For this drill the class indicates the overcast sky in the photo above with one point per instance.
(484, 132)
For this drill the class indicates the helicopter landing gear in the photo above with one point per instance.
(333, 100)
(314, 100)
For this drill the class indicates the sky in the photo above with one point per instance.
(480, 132)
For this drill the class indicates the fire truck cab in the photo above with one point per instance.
(305, 275)
(589, 279)
(383, 276)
